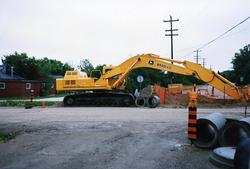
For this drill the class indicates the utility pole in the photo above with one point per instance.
(171, 30)
(197, 57)
(203, 62)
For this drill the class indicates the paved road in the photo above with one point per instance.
(113, 138)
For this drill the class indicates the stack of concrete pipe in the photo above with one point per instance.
(215, 130)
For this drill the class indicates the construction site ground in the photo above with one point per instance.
(98, 138)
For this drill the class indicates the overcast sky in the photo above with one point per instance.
(110, 31)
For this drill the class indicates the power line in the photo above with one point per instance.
(208, 43)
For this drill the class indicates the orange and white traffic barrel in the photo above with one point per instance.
(192, 116)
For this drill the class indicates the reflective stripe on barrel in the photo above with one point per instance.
(192, 120)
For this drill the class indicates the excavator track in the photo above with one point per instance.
(100, 99)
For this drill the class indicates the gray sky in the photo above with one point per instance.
(111, 31)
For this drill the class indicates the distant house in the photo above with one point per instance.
(16, 86)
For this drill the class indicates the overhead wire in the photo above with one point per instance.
(218, 37)
(208, 43)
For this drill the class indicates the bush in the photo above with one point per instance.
(4, 137)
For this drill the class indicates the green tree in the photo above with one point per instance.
(33, 69)
(54, 67)
(23, 65)
(100, 67)
(241, 66)
(228, 74)
(86, 66)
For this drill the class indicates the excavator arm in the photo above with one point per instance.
(180, 67)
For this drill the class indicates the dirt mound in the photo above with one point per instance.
(184, 99)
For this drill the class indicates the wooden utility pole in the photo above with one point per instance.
(197, 57)
(203, 62)
(171, 34)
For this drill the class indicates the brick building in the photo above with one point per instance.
(16, 86)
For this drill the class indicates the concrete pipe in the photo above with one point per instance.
(140, 101)
(208, 130)
(153, 101)
(223, 157)
(234, 132)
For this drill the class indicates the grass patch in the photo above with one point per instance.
(36, 97)
(11, 103)
(14, 98)
(5, 137)
(52, 96)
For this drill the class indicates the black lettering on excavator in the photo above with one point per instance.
(161, 65)
(164, 66)
(151, 62)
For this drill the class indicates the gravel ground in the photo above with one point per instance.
(112, 138)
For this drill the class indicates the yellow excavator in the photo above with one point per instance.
(108, 88)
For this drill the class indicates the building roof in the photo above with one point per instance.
(4, 76)
(56, 76)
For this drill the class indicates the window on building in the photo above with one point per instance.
(2, 85)
(28, 86)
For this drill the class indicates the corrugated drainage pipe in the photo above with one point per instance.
(208, 130)
(234, 132)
